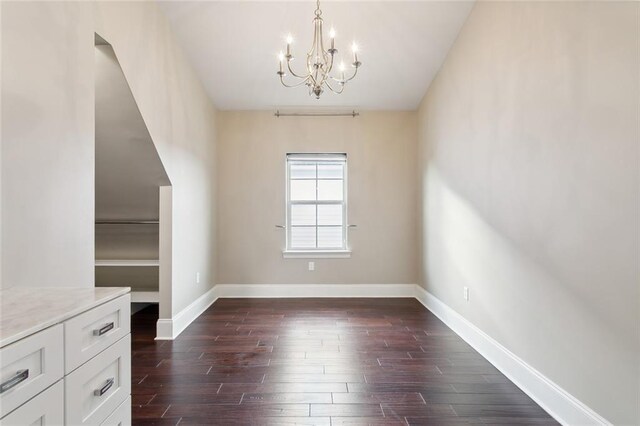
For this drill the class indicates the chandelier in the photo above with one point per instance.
(319, 71)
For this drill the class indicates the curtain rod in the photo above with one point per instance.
(316, 114)
(127, 222)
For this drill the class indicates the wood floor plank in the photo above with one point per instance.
(475, 398)
(418, 410)
(366, 421)
(247, 411)
(347, 410)
(287, 397)
(318, 362)
(401, 387)
(258, 421)
(495, 410)
(283, 387)
(312, 378)
(517, 421)
(198, 398)
(378, 397)
(441, 421)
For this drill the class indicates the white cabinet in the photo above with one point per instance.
(88, 334)
(74, 369)
(29, 366)
(121, 416)
(47, 408)
(97, 388)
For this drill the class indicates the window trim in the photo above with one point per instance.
(342, 252)
(316, 254)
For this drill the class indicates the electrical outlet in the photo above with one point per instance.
(466, 293)
(312, 266)
(197, 277)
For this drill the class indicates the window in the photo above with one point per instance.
(316, 203)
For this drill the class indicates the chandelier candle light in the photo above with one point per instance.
(319, 63)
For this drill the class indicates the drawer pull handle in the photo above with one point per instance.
(104, 329)
(105, 388)
(19, 377)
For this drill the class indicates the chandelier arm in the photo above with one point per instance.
(325, 78)
(308, 63)
(313, 79)
(327, 63)
(321, 45)
(353, 76)
(326, 72)
(319, 77)
(314, 44)
(312, 72)
(293, 73)
(330, 62)
(339, 80)
(337, 92)
(300, 83)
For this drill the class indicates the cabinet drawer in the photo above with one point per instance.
(122, 415)
(90, 333)
(29, 366)
(45, 409)
(96, 389)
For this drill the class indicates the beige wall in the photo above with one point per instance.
(530, 191)
(48, 139)
(47, 144)
(381, 149)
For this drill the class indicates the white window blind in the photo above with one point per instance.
(316, 202)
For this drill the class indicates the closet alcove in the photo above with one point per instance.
(129, 178)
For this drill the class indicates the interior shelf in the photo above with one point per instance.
(145, 296)
(127, 256)
(140, 262)
(140, 294)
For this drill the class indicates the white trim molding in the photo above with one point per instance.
(560, 404)
(169, 329)
(316, 254)
(315, 290)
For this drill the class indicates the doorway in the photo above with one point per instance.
(130, 185)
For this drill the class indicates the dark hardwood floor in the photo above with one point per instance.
(319, 362)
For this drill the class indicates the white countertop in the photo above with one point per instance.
(27, 310)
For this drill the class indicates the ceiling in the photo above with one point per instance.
(233, 46)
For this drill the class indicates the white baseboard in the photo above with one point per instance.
(169, 329)
(315, 290)
(564, 407)
(164, 330)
